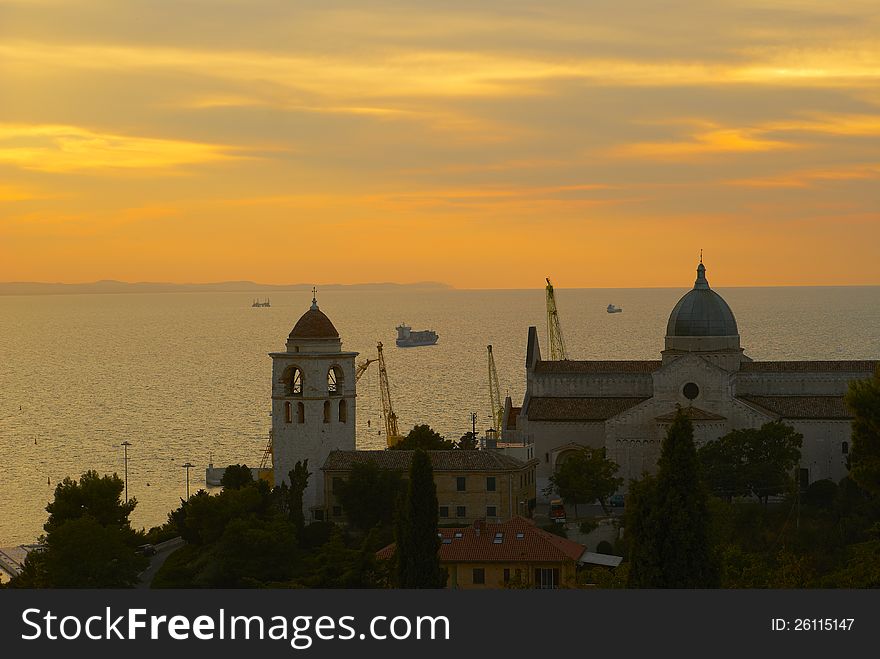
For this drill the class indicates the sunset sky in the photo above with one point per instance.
(483, 144)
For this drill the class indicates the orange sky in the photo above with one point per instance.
(485, 145)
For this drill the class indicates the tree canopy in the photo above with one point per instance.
(584, 476)
(369, 495)
(669, 519)
(416, 556)
(863, 398)
(425, 438)
(236, 476)
(752, 461)
(89, 542)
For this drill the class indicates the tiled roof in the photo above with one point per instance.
(520, 540)
(578, 409)
(694, 414)
(608, 366)
(846, 366)
(452, 460)
(802, 407)
(314, 324)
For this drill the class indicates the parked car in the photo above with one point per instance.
(617, 501)
(146, 550)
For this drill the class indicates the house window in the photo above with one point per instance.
(546, 577)
(300, 413)
(287, 415)
(318, 515)
(844, 448)
(460, 511)
(479, 575)
(337, 484)
(490, 483)
(459, 483)
(444, 511)
(326, 411)
(491, 511)
(343, 412)
(337, 511)
(507, 575)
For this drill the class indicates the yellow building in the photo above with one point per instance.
(513, 554)
(471, 485)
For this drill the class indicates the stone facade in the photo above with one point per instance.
(313, 403)
(471, 485)
(627, 406)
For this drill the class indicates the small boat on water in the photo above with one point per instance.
(261, 303)
(612, 309)
(406, 338)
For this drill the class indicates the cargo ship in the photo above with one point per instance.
(406, 338)
(612, 309)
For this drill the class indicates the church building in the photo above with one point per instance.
(627, 406)
(313, 403)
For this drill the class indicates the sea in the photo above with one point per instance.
(186, 377)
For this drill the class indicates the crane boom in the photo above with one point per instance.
(392, 434)
(362, 368)
(494, 392)
(554, 330)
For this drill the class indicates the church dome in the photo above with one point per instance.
(701, 312)
(314, 324)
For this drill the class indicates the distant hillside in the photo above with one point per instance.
(111, 286)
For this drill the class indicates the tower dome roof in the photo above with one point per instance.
(701, 312)
(314, 324)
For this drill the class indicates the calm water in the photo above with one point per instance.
(186, 376)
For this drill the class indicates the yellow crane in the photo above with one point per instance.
(494, 393)
(392, 434)
(266, 460)
(554, 330)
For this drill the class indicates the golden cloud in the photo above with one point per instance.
(60, 148)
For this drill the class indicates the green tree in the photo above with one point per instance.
(585, 476)
(99, 497)
(423, 437)
(369, 495)
(89, 542)
(236, 477)
(468, 441)
(670, 544)
(752, 461)
(417, 558)
(863, 399)
(299, 481)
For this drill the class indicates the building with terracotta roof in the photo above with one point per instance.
(627, 406)
(313, 402)
(514, 554)
(471, 485)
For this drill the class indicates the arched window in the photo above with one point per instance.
(326, 411)
(293, 380)
(287, 415)
(844, 448)
(300, 413)
(343, 412)
(335, 381)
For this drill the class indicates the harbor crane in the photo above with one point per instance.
(494, 393)
(554, 330)
(266, 460)
(392, 434)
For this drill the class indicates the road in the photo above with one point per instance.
(163, 551)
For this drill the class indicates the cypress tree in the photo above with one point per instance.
(670, 546)
(863, 399)
(417, 558)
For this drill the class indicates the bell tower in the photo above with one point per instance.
(313, 403)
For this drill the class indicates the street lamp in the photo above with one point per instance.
(188, 466)
(125, 446)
